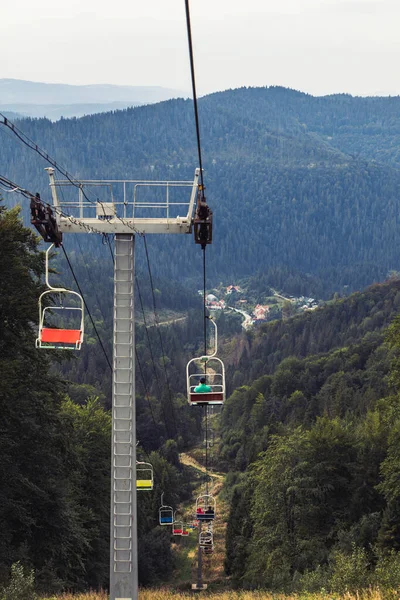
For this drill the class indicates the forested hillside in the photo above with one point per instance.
(308, 183)
(338, 324)
(55, 439)
(304, 190)
(311, 443)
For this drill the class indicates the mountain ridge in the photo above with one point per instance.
(283, 191)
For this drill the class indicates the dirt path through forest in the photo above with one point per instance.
(213, 565)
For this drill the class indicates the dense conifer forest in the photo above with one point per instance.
(311, 445)
(330, 164)
(305, 193)
(55, 442)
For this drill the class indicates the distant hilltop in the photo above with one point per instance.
(56, 100)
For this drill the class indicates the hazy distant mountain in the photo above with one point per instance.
(13, 115)
(56, 111)
(54, 100)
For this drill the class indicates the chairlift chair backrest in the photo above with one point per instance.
(144, 476)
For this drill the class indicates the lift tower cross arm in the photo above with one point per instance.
(124, 208)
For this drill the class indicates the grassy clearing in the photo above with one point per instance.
(190, 461)
(164, 594)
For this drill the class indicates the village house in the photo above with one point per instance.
(260, 312)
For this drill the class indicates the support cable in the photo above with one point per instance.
(196, 112)
(28, 195)
(196, 116)
(146, 391)
(107, 238)
(204, 307)
(152, 358)
(159, 334)
(206, 427)
(33, 146)
(87, 309)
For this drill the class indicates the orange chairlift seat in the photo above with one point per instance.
(59, 338)
(214, 373)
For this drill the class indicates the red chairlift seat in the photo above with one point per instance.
(206, 398)
(61, 336)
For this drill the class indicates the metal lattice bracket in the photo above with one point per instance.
(124, 206)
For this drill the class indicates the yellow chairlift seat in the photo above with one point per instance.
(145, 484)
(144, 476)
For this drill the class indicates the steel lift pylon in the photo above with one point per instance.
(124, 208)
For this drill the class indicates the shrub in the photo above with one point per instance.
(387, 570)
(350, 571)
(314, 581)
(21, 585)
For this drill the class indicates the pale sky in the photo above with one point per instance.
(316, 46)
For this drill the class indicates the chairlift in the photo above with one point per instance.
(205, 508)
(214, 374)
(56, 338)
(209, 438)
(185, 530)
(206, 539)
(177, 528)
(166, 513)
(144, 476)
